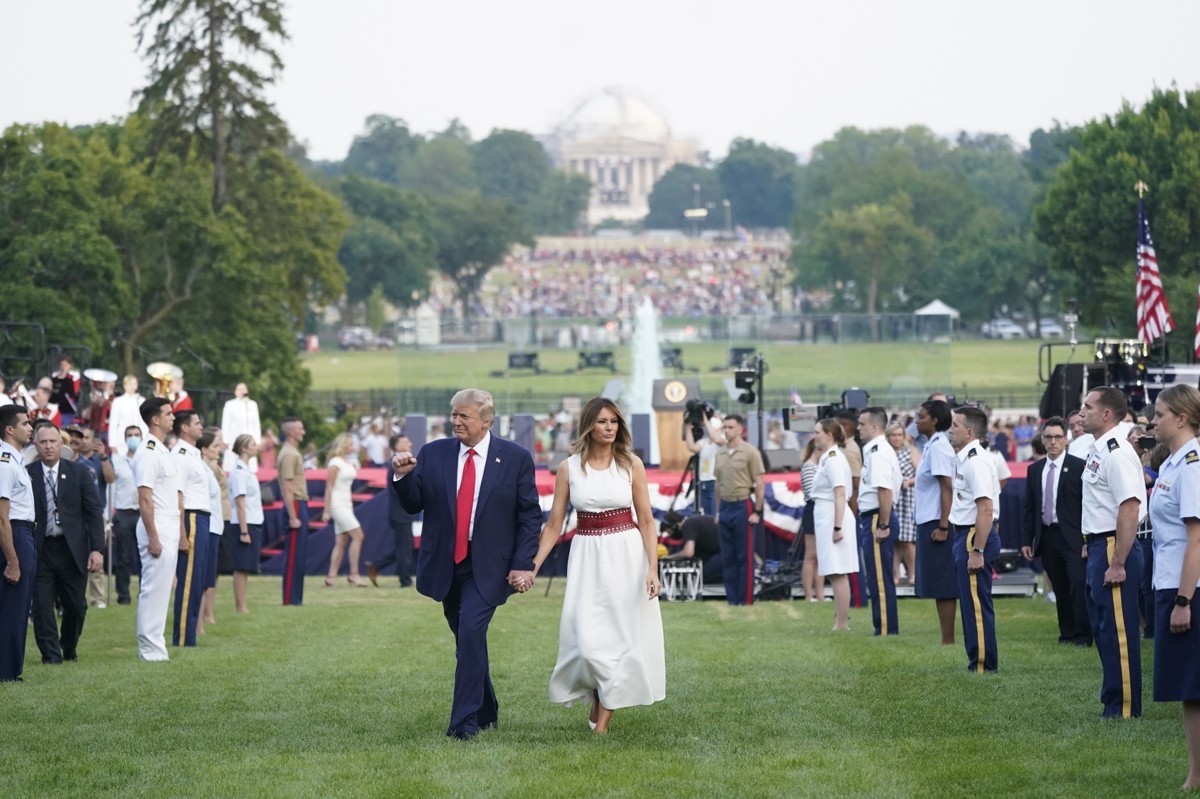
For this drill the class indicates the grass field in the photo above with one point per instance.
(1006, 365)
(349, 696)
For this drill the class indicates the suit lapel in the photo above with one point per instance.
(491, 474)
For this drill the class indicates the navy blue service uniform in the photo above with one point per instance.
(975, 479)
(1112, 474)
(16, 487)
(881, 469)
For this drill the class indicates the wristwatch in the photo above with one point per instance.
(883, 526)
(837, 529)
(943, 529)
(977, 549)
(1182, 601)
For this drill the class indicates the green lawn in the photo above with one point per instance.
(1007, 365)
(349, 696)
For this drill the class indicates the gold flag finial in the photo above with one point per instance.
(1141, 188)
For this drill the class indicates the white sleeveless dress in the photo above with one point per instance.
(610, 638)
(341, 501)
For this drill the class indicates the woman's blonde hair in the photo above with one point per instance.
(342, 443)
(622, 445)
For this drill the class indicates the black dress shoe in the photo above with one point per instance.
(49, 662)
(491, 725)
(125, 601)
(462, 736)
(406, 583)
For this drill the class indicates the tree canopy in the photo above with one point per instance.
(1089, 218)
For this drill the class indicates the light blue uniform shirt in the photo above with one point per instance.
(1176, 496)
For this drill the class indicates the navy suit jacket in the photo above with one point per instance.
(508, 517)
(79, 509)
(1068, 504)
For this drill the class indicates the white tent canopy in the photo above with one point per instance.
(936, 308)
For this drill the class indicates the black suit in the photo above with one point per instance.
(62, 560)
(1060, 545)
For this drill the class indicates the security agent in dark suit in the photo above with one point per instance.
(1052, 531)
(401, 524)
(69, 541)
(482, 523)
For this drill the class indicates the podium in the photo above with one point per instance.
(670, 405)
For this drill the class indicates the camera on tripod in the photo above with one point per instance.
(696, 413)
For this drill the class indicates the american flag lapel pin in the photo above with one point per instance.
(497, 460)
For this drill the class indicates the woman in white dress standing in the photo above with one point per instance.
(610, 638)
(837, 554)
(339, 506)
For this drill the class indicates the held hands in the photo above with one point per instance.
(403, 463)
(521, 581)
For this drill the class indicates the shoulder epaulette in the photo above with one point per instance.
(1192, 457)
(972, 454)
(182, 449)
(150, 445)
(1113, 444)
(833, 453)
(5, 457)
(872, 449)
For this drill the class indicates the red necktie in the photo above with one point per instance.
(466, 502)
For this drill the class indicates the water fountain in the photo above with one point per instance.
(647, 367)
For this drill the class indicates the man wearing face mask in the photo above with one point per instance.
(125, 518)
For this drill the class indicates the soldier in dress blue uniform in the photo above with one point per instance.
(17, 555)
(878, 491)
(973, 516)
(1175, 514)
(1114, 500)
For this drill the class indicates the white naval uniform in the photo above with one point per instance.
(154, 467)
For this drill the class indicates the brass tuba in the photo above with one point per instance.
(163, 373)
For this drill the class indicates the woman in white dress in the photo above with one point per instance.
(610, 638)
(339, 506)
(837, 555)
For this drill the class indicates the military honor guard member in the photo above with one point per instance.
(293, 488)
(197, 513)
(17, 555)
(739, 472)
(935, 577)
(160, 527)
(877, 493)
(1175, 514)
(1114, 500)
(69, 541)
(976, 541)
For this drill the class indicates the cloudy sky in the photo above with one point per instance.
(788, 73)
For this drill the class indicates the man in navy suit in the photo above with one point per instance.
(69, 540)
(1052, 530)
(481, 528)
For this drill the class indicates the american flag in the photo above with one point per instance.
(1153, 316)
(1196, 344)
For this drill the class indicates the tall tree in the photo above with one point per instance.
(387, 151)
(473, 235)
(1089, 217)
(389, 247)
(760, 182)
(679, 189)
(206, 85)
(876, 246)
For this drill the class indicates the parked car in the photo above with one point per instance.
(1050, 328)
(361, 338)
(1003, 329)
